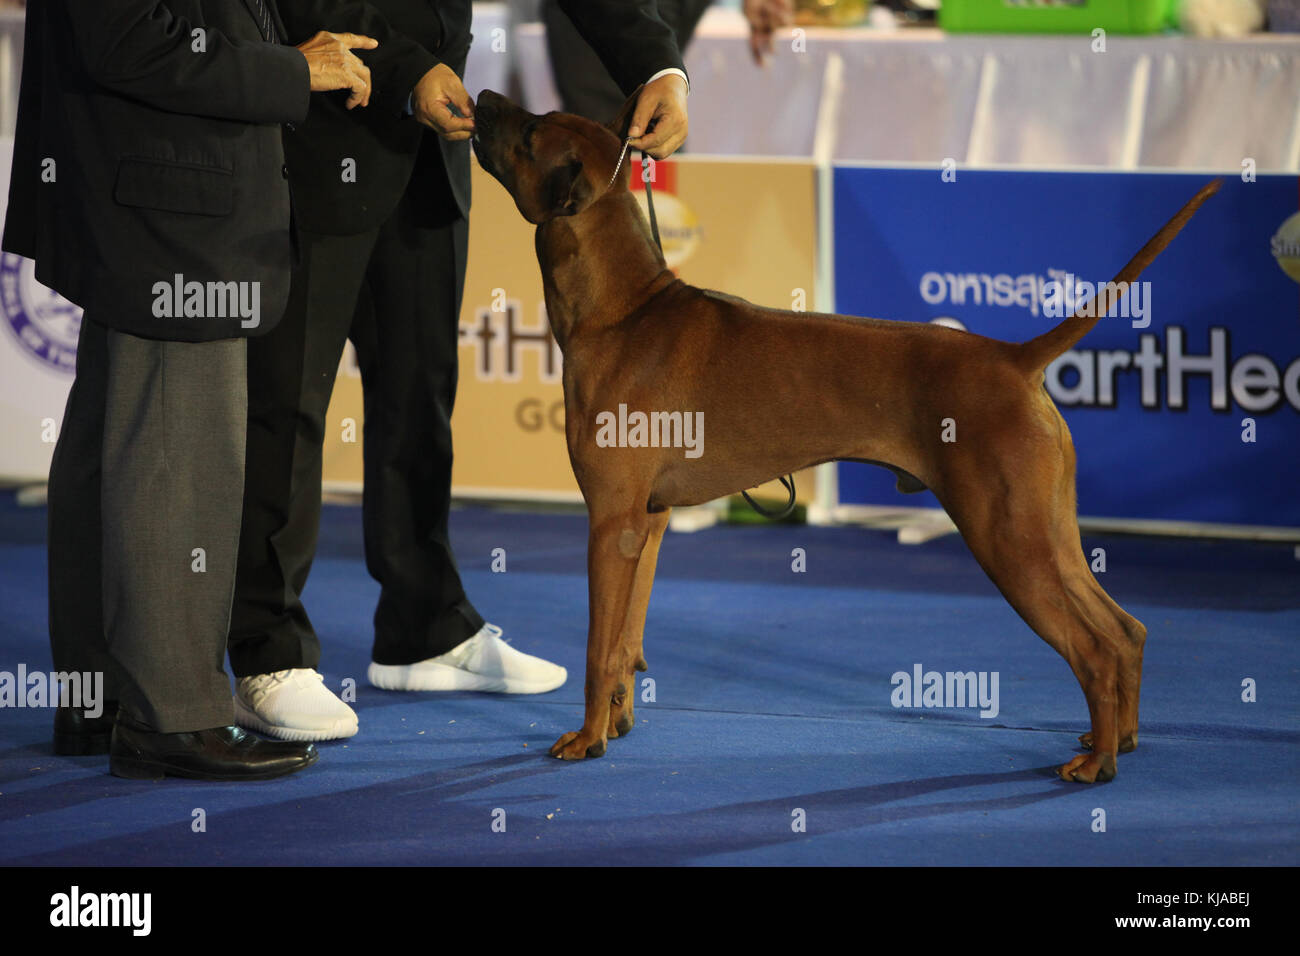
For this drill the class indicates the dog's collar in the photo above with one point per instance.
(626, 143)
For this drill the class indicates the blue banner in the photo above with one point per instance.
(1184, 404)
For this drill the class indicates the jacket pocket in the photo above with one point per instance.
(175, 187)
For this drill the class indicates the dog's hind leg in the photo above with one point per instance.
(616, 540)
(1016, 510)
(622, 706)
(1035, 575)
(1126, 636)
(1130, 673)
(1128, 632)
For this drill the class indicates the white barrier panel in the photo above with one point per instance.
(38, 347)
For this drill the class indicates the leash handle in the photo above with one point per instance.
(786, 480)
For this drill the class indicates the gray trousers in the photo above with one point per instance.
(145, 495)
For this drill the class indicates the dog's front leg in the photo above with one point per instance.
(622, 710)
(614, 549)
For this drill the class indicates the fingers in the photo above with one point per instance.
(461, 99)
(333, 65)
(356, 74)
(780, 12)
(765, 18)
(664, 140)
(359, 76)
(444, 122)
(659, 121)
(661, 150)
(646, 105)
(354, 42)
(775, 14)
(453, 127)
(441, 103)
(324, 40)
(651, 143)
(446, 87)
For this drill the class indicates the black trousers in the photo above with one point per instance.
(144, 499)
(396, 292)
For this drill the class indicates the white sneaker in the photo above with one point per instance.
(484, 663)
(292, 705)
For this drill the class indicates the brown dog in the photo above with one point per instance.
(781, 391)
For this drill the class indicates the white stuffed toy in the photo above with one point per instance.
(1221, 18)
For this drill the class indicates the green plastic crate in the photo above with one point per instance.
(1056, 16)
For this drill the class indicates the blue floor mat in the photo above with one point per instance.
(772, 704)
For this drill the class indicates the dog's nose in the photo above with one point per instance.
(486, 110)
(489, 101)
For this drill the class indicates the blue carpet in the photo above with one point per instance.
(772, 695)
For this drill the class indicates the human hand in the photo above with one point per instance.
(662, 104)
(334, 66)
(437, 92)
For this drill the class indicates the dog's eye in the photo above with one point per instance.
(528, 136)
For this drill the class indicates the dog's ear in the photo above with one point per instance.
(621, 122)
(565, 189)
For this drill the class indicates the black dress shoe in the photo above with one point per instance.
(222, 753)
(76, 735)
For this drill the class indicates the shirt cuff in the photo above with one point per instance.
(674, 69)
(410, 104)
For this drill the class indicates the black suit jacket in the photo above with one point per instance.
(162, 122)
(394, 153)
(380, 140)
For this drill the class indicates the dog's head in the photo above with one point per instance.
(552, 165)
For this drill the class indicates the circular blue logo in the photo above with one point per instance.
(45, 323)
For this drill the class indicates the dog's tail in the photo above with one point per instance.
(1037, 353)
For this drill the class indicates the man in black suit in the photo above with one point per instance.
(584, 85)
(383, 205)
(587, 89)
(149, 186)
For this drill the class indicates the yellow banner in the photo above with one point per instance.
(743, 227)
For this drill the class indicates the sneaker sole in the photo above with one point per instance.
(246, 718)
(442, 678)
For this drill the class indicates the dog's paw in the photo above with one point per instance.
(1127, 743)
(1089, 768)
(577, 746)
(621, 722)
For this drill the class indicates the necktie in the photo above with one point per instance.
(264, 21)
